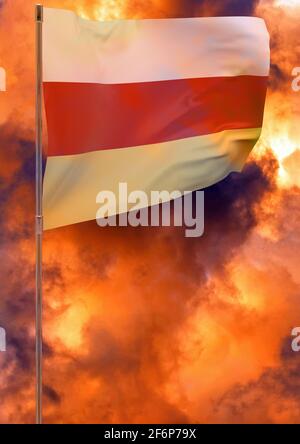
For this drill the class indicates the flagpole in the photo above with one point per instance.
(39, 213)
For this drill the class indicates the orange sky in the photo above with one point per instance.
(144, 325)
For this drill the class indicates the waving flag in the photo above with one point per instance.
(167, 104)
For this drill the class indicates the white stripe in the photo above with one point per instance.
(72, 183)
(127, 51)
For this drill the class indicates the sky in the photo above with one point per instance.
(142, 325)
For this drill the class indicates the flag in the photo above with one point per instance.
(166, 104)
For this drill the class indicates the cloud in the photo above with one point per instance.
(272, 398)
(144, 325)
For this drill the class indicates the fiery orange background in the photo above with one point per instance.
(144, 325)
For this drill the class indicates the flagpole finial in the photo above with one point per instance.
(39, 13)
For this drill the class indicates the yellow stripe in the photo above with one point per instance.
(71, 183)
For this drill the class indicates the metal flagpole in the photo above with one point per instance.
(39, 211)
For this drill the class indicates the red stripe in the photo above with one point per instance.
(86, 117)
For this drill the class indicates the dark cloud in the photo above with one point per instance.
(17, 172)
(240, 7)
(278, 386)
(278, 77)
(130, 344)
(190, 8)
(51, 394)
(225, 7)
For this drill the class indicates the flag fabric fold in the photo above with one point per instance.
(167, 104)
